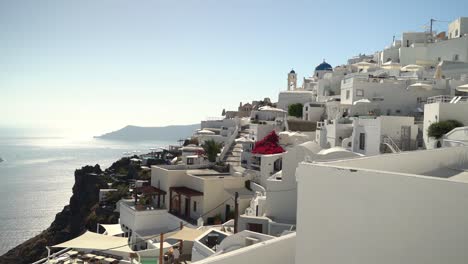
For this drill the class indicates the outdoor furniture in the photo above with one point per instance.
(88, 257)
(72, 253)
(110, 260)
(99, 259)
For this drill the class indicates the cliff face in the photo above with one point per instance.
(81, 214)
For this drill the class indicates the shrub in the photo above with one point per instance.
(439, 129)
(295, 110)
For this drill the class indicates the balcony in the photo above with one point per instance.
(139, 207)
(447, 99)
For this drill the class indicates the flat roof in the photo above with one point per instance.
(449, 163)
(207, 172)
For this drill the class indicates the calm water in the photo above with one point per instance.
(37, 175)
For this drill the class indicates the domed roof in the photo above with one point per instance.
(324, 67)
(292, 71)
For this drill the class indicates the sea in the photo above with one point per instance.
(37, 176)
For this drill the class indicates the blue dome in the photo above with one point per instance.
(324, 67)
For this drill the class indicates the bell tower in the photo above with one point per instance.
(292, 80)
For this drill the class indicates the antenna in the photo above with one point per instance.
(431, 22)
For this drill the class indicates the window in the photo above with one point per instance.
(360, 92)
(362, 141)
(194, 206)
(439, 59)
(255, 227)
(189, 161)
(307, 108)
(347, 94)
(456, 32)
(455, 57)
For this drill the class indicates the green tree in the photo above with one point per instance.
(438, 129)
(212, 148)
(295, 110)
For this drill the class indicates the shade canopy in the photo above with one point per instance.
(187, 234)
(421, 85)
(462, 88)
(412, 67)
(362, 101)
(113, 230)
(272, 109)
(90, 240)
(205, 132)
(244, 140)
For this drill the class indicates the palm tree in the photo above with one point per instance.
(212, 148)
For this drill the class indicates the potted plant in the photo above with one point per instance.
(217, 219)
(141, 205)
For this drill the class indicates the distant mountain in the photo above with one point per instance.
(136, 133)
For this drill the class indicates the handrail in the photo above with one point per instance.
(52, 256)
(393, 146)
(464, 143)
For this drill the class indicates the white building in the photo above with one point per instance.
(273, 209)
(427, 49)
(395, 208)
(191, 193)
(375, 135)
(313, 111)
(442, 108)
(391, 96)
(287, 98)
(265, 120)
(277, 250)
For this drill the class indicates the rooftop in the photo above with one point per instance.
(448, 163)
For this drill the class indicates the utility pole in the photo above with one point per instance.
(181, 242)
(161, 242)
(431, 22)
(236, 212)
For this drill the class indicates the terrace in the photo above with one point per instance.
(448, 163)
(447, 99)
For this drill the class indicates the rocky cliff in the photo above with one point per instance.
(82, 213)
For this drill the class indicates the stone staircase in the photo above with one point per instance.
(233, 155)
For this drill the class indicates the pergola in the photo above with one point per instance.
(185, 191)
(151, 190)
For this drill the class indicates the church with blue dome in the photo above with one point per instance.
(322, 69)
(324, 66)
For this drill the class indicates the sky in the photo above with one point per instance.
(89, 67)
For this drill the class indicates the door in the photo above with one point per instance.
(187, 207)
(405, 138)
(227, 213)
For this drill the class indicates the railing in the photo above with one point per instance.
(391, 144)
(214, 118)
(447, 99)
(52, 256)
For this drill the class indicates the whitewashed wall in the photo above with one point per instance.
(368, 217)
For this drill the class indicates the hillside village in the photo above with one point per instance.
(364, 162)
